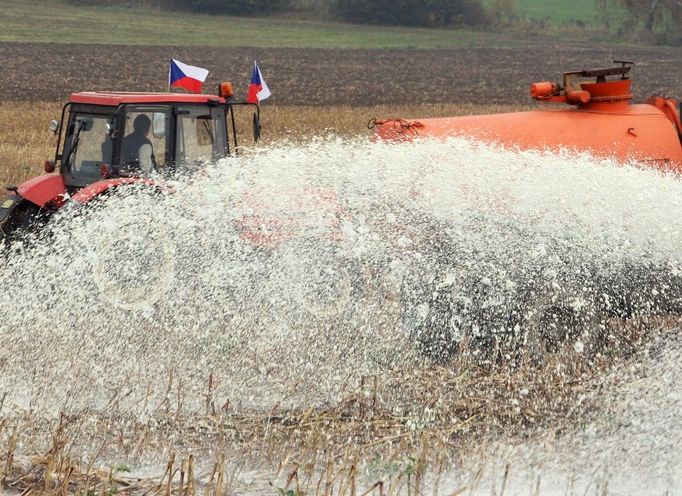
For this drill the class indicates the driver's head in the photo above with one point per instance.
(141, 124)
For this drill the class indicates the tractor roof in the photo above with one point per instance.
(117, 98)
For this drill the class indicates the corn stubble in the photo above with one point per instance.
(387, 435)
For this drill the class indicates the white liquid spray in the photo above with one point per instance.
(293, 271)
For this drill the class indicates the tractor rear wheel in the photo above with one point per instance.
(133, 250)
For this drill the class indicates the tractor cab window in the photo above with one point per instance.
(144, 148)
(200, 136)
(88, 145)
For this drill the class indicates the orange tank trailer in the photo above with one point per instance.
(601, 120)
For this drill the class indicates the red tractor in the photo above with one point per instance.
(120, 147)
(106, 140)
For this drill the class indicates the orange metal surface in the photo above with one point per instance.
(603, 123)
(639, 132)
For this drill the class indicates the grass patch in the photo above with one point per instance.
(61, 22)
(575, 13)
(558, 12)
(56, 21)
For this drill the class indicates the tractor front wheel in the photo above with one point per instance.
(22, 222)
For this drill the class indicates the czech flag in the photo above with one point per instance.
(186, 76)
(258, 90)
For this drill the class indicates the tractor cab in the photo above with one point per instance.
(110, 135)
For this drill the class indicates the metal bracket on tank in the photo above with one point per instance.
(571, 78)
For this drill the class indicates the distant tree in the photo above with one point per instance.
(388, 12)
(238, 7)
(503, 12)
(649, 16)
(412, 12)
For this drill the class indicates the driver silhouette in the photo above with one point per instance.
(138, 153)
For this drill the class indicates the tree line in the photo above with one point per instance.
(653, 20)
(658, 21)
(427, 13)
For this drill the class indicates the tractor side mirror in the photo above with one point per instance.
(53, 126)
(86, 125)
(109, 127)
(256, 127)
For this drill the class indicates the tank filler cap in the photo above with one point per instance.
(596, 90)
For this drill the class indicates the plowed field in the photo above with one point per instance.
(328, 77)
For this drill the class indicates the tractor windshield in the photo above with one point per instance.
(200, 137)
(88, 145)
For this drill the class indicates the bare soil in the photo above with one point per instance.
(35, 71)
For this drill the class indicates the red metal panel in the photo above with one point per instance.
(43, 189)
(86, 194)
(115, 98)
